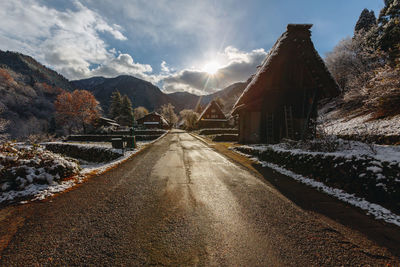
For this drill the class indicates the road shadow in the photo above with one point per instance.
(384, 234)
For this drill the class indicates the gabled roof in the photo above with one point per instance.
(294, 45)
(212, 104)
(164, 120)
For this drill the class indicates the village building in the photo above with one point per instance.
(153, 120)
(281, 99)
(212, 117)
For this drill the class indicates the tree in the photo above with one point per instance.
(3, 127)
(76, 110)
(352, 62)
(115, 107)
(140, 112)
(199, 108)
(167, 111)
(190, 118)
(365, 22)
(386, 35)
(125, 117)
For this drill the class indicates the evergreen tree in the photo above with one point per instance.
(386, 35)
(115, 107)
(125, 117)
(365, 22)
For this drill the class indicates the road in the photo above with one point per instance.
(182, 203)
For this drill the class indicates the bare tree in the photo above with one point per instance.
(140, 112)
(190, 118)
(168, 112)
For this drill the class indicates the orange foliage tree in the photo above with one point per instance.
(76, 110)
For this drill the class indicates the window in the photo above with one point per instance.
(212, 110)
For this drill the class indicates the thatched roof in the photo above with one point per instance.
(164, 120)
(212, 104)
(294, 48)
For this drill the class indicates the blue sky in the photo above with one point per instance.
(176, 44)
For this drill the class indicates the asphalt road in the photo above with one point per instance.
(181, 203)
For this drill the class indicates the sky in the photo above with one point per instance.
(180, 45)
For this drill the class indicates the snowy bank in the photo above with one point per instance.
(364, 171)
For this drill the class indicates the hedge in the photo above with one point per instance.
(88, 153)
(107, 138)
(216, 131)
(356, 175)
(226, 138)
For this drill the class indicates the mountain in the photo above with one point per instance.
(28, 90)
(27, 93)
(143, 93)
(33, 71)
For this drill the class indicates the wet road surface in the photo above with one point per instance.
(182, 203)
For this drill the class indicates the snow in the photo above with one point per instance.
(361, 125)
(41, 191)
(345, 149)
(349, 150)
(375, 210)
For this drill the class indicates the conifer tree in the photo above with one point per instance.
(386, 35)
(125, 117)
(115, 107)
(365, 22)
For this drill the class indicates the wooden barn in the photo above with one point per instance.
(281, 99)
(153, 120)
(212, 117)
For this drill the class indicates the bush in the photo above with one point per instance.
(20, 167)
(88, 153)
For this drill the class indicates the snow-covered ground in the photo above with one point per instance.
(360, 125)
(375, 210)
(348, 150)
(344, 148)
(41, 191)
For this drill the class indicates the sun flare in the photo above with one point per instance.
(211, 67)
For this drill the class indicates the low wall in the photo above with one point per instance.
(88, 153)
(364, 176)
(107, 138)
(226, 138)
(215, 131)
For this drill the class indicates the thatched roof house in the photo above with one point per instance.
(281, 99)
(153, 120)
(212, 117)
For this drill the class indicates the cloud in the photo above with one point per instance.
(75, 41)
(238, 67)
(69, 41)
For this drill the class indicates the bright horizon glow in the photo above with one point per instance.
(211, 67)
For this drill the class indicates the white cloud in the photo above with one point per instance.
(238, 66)
(68, 41)
(73, 41)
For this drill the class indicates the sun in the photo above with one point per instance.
(211, 67)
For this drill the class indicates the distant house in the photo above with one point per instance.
(212, 117)
(153, 120)
(107, 123)
(281, 99)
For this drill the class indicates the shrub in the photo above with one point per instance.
(20, 167)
